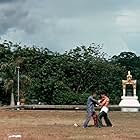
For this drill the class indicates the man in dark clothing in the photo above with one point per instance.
(91, 103)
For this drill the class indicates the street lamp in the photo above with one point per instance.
(1, 88)
(18, 102)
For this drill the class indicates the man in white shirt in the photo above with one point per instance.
(104, 110)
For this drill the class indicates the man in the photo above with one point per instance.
(91, 103)
(104, 110)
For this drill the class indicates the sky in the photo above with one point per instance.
(61, 25)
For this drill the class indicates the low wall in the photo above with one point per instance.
(57, 107)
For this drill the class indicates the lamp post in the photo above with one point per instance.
(1, 86)
(18, 102)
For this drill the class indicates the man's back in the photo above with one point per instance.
(91, 102)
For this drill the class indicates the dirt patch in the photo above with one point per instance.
(58, 125)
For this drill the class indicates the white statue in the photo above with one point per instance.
(129, 77)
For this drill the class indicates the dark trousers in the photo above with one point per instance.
(89, 116)
(105, 116)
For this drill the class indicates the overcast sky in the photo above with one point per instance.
(61, 25)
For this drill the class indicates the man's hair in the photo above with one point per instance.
(93, 92)
(103, 93)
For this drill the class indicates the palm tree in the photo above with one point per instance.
(24, 83)
(8, 85)
(9, 74)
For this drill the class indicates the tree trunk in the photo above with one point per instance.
(12, 99)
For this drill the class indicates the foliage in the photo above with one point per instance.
(69, 78)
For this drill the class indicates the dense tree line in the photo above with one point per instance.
(53, 78)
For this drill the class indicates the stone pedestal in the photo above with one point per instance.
(129, 102)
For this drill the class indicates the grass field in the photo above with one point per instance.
(58, 125)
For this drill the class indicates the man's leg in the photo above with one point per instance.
(100, 115)
(89, 115)
(95, 119)
(107, 120)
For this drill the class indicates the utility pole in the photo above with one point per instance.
(18, 102)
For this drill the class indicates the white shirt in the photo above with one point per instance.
(105, 109)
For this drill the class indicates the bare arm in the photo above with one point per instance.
(105, 102)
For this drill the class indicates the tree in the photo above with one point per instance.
(131, 62)
(68, 78)
(8, 69)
